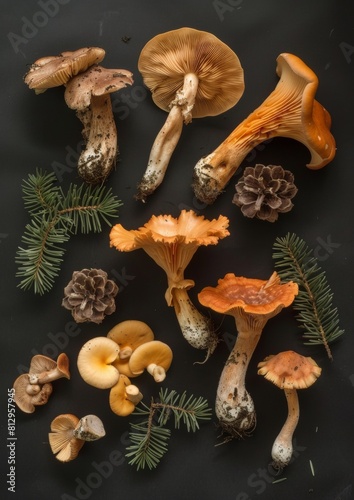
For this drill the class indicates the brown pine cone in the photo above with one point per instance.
(265, 191)
(90, 296)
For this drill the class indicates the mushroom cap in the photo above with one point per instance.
(168, 57)
(95, 360)
(253, 296)
(62, 441)
(130, 334)
(27, 401)
(53, 71)
(40, 365)
(96, 81)
(118, 400)
(290, 370)
(154, 352)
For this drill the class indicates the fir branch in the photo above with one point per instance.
(150, 437)
(316, 314)
(55, 216)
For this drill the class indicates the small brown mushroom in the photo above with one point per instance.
(191, 74)
(155, 357)
(53, 71)
(28, 396)
(88, 94)
(44, 369)
(95, 360)
(124, 396)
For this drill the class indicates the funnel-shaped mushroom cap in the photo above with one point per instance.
(168, 57)
(62, 441)
(96, 81)
(171, 242)
(290, 370)
(242, 297)
(95, 360)
(44, 369)
(53, 71)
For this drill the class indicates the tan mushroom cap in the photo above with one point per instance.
(44, 369)
(122, 399)
(62, 441)
(28, 396)
(168, 57)
(95, 360)
(53, 71)
(129, 335)
(155, 356)
(96, 81)
(290, 370)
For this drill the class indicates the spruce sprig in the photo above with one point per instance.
(55, 217)
(150, 437)
(295, 261)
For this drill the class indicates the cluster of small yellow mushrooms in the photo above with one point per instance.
(191, 74)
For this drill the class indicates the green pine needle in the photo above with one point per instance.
(316, 314)
(149, 438)
(55, 216)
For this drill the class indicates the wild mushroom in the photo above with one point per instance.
(124, 396)
(171, 243)
(88, 94)
(94, 362)
(191, 74)
(154, 356)
(69, 434)
(289, 111)
(129, 335)
(252, 302)
(28, 396)
(44, 369)
(54, 71)
(290, 371)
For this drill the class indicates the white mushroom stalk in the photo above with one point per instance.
(289, 111)
(167, 139)
(282, 449)
(89, 428)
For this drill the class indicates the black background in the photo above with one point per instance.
(40, 131)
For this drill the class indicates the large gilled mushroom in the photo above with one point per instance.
(290, 371)
(191, 74)
(94, 362)
(69, 433)
(89, 94)
(252, 302)
(171, 243)
(54, 71)
(289, 111)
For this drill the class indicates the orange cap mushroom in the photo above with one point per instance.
(289, 111)
(129, 334)
(124, 396)
(95, 360)
(154, 356)
(290, 371)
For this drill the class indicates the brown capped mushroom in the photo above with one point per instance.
(124, 396)
(155, 357)
(290, 371)
(289, 111)
(191, 74)
(88, 94)
(44, 369)
(95, 360)
(28, 396)
(53, 71)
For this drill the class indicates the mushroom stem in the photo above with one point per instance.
(133, 394)
(99, 156)
(234, 406)
(289, 111)
(168, 137)
(282, 449)
(196, 328)
(158, 372)
(89, 428)
(125, 352)
(45, 377)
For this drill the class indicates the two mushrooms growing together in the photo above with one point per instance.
(252, 302)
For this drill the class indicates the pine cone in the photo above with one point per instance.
(90, 295)
(264, 192)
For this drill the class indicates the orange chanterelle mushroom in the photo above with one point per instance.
(171, 243)
(252, 302)
(289, 111)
